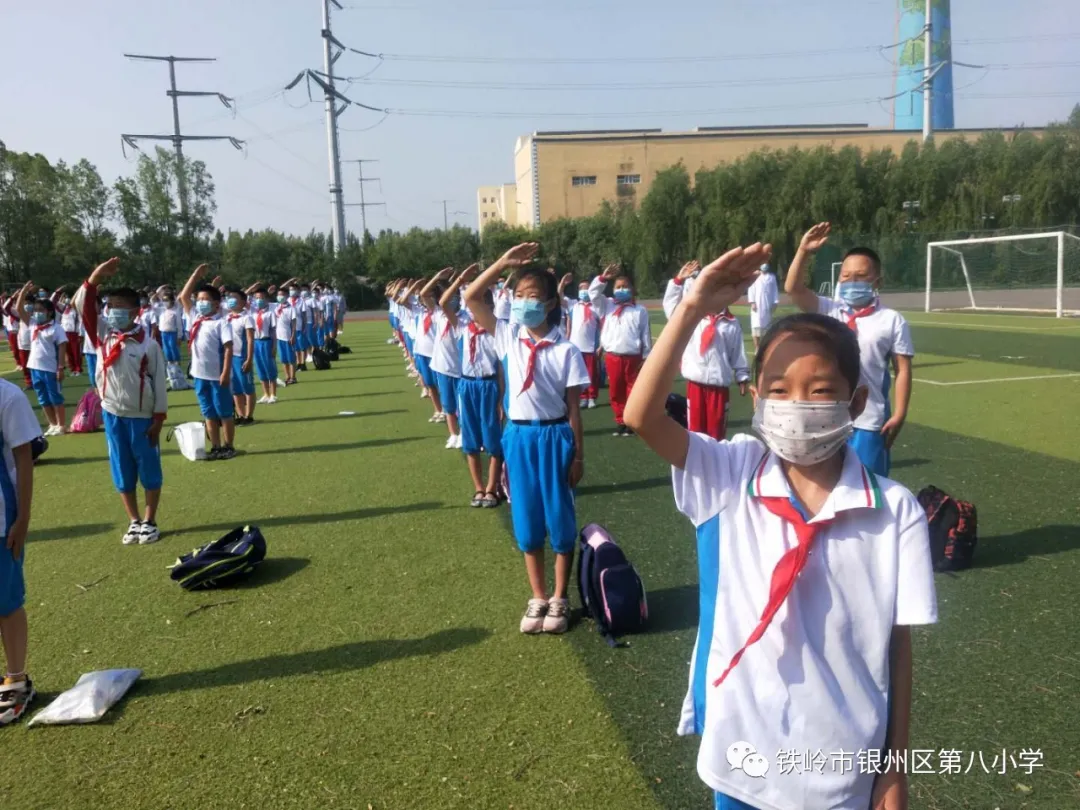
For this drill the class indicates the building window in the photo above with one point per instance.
(483, 200)
(583, 181)
(485, 215)
(628, 179)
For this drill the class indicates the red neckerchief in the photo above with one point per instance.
(39, 329)
(474, 336)
(853, 315)
(113, 354)
(281, 308)
(194, 332)
(785, 573)
(427, 321)
(446, 328)
(588, 311)
(709, 332)
(530, 368)
(619, 309)
(259, 320)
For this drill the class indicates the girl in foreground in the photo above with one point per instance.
(812, 568)
(542, 443)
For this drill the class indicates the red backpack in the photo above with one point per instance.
(88, 416)
(953, 529)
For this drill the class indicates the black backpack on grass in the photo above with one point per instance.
(344, 350)
(676, 408)
(320, 359)
(953, 529)
(222, 562)
(610, 588)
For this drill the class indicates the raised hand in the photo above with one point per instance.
(520, 255)
(217, 282)
(610, 272)
(726, 280)
(469, 273)
(689, 269)
(445, 273)
(815, 238)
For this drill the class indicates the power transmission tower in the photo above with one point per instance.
(362, 205)
(177, 138)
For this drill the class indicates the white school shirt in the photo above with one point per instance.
(559, 365)
(147, 318)
(45, 346)
(818, 679)
(673, 295)
(881, 335)
(503, 300)
(626, 326)
(169, 318)
(208, 346)
(423, 339)
(24, 336)
(238, 323)
(267, 315)
(478, 355)
(284, 321)
(18, 426)
(446, 351)
(724, 361)
(584, 321)
(69, 319)
(764, 294)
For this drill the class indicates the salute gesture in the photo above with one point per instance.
(688, 270)
(106, 269)
(726, 280)
(815, 238)
(610, 272)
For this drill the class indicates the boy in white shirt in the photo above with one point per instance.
(18, 428)
(884, 338)
(812, 568)
(764, 298)
(170, 325)
(21, 330)
(211, 362)
(625, 338)
(264, 331)
(46, 358)
(445, 351)
(132, 384)
(285, 331)
(584, 332)
(242, 330)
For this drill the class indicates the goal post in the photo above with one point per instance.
(1031, 272)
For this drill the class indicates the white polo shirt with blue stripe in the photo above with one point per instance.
(818, 679)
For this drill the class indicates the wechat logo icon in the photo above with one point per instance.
(742, 756)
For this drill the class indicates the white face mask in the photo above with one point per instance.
(803, 433)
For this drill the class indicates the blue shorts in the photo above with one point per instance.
(264, 360)
(309, 335)
(724, 802)
(12, 584)
(215, 401)
(170, 344)
(286, 352)
(423, 365)
(47, 388)
(478, 415)
(91, 366)
(408, 344)
(241, 383)
(869, 446)
(448, 388)
(542, 504)
(130, 453)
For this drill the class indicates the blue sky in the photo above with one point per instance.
(66, 90)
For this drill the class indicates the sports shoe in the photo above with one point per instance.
(558, 616)
(477, 500)
(149, 533)
(15, 699)
(457, 441)
(440, 417)
(133, 534)
(263, 399)
(271, 401)
(590, 404)
(490, 501)
(226, 453)
(424, 394)
(450, 443)
(214, 454)
(619, 431)
(533, 620)
(628, 433)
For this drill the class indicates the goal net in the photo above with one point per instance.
(1038, 272)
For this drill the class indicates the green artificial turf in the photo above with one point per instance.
(374, 661)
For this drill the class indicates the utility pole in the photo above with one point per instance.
(447, 214)
(928, 61)
(362, 205)
(330, 96)
(177, 138)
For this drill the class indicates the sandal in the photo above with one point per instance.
(478, 500)
(490, 500)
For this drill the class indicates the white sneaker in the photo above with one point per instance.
(149, 533)
(281, 382)
(424, 394)
(440, 417)
(533, 620)
(263, 399)
(449, 442)
(558, 616)
(590, 404)
(133, 534)
(457, 441)
(271, 400)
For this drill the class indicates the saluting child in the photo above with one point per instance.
(424, 347)
(238, 321)
(479, 392)
(446, 352)
(170, 320)
(811, 568)
(543, 442)
(625, 338)
(69, 322)
(21, 330)
(210, 339)
(46, 358)
(714, 358)
(584, 332)
(285, 332)
(132, 383)
(263, 330)
(884, 340)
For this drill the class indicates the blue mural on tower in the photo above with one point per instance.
(908, 105)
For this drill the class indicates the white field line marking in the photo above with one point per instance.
(995, 328)
(1000, 379)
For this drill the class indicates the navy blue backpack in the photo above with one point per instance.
(222, 562)
(609, 585)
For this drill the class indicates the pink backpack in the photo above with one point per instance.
(88, 415)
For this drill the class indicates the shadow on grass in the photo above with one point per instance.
(45, 461)
(339, 398)
(628, 486)
(903, 463)
(1017, 548)
(272, 570)
(672, 609)
(299, 520)
(330, 448)
(327, 417)
(70, 532)
(341, 658)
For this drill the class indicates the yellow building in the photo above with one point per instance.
(568, 174)
(497, 203)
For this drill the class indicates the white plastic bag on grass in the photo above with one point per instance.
(88, 700)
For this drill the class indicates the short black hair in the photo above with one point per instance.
(48, 305)
(209, 289)
(551, 290)
(237, 292)
(868, 253)
(122, 295)
(834, 337)
(260, 289)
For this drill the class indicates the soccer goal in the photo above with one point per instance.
(1037, 272)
